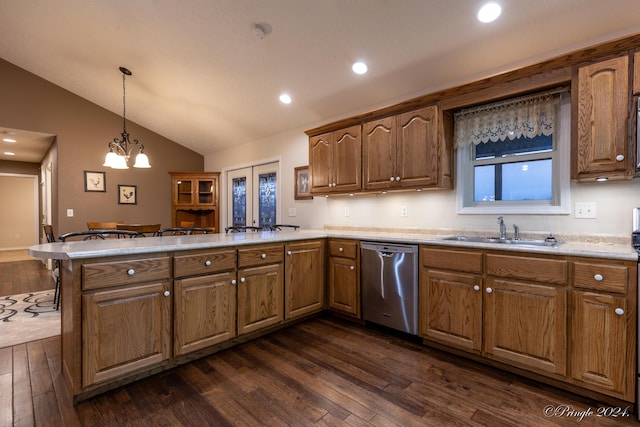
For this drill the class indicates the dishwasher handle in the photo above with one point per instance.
(385, 254)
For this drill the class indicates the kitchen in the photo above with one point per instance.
(434, 210)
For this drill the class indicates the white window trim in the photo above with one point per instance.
(561, 169)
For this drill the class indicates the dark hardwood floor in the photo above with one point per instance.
(325, 372)
(20, 277)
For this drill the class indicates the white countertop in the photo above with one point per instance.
(149, 245)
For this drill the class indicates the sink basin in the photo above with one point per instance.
(502, 241)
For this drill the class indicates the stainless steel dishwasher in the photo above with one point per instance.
(389, 280)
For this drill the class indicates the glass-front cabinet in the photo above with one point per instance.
(195, 199)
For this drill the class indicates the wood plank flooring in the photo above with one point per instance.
(20, 277)
(323, 372)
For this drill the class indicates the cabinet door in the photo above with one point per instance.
(347, 163)
(344, 286)
(379, 153)
(320, 162)
(124, 330)
(451, 308)
(205, 311)
(183, 192)
(304, 278)
(207, 192)
(525, 325)
(602, 343)
(260, 298)
(602, 114)
(417, 153)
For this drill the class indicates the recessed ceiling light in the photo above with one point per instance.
(359, 67)
(9, 153)
(9, 140)
(489, 12)
(285, 98)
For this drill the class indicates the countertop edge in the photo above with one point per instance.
(150, 245)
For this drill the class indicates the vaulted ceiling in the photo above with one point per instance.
(202, 78)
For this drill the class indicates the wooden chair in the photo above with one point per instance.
(110, 225)
(51, 238)
(187, 224)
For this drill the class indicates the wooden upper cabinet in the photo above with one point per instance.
(406, 151)
(601, 147)
(335, 161)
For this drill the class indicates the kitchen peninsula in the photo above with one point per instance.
(134, 307)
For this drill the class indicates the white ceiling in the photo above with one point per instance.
(202, 79)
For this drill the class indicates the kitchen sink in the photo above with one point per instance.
(519, 242)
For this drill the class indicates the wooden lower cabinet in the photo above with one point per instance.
(525, 325)
(344, 277)
(304, 278)
(260, 298)
(205, 311)
(451, 305)
(125, 330)
(599, 336)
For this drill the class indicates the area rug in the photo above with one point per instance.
(28, 317)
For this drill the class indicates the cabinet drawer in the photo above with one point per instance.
(442, 259)
(260, 255)
(204, 263)
(106, 274)
(343, 248)
(537, 269)
(601, 277)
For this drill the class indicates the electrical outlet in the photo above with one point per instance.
(585, 210)
(346, 212)
(404, 211)
(292, 212)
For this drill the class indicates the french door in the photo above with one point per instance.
(252, 195)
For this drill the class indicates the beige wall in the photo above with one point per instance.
(82, 131)
(19, 211)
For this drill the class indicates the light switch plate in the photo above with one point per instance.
(585, 210)
(347, 212)
(69, 213)
(404, 211)
(292, 212)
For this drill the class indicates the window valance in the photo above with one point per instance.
(528, 116)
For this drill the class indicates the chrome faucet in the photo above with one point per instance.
(516, 232)
(503, 228)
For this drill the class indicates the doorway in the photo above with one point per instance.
(20, 216)
(252, 195)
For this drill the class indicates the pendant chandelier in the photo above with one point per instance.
(120, 150)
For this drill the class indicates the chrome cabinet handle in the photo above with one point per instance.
(341, 249)
(352, 268)
(233, 282)
(207, 263)
(263, 256)
(392, 179)
(242, 280)
(131, 272)
(476, 287)
(289, 253)
(619, 157)
(598, 277)
(166, 293)
(619, 311)
(397, 178)
(489, 290)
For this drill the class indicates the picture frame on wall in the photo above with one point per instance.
(302, 187)
(95, 181)
(127, 194)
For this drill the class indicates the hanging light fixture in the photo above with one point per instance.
(120, 150)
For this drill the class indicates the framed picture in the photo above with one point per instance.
(302, 190)
(95, 181)
(127, 194)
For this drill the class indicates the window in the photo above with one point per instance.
(513, 156)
